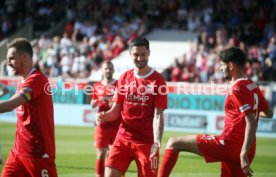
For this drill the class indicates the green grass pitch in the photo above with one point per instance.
(76, 154)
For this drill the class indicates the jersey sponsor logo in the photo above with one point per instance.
(106, 98)
(137, 98)
(244, 107)
(251, 86)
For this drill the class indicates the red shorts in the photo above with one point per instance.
(20, 166)
(104, 136)
(216, 150)
(122, 153)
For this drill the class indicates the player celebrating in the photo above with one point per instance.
(33, 153)
(141, 98)
(235, 147)
(105, 133)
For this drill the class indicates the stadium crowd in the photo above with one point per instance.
(100, 30)
(13, 17)
(221, 25)
(17, 13)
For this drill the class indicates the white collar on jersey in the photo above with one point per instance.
(23, 80)
(111, 83)
(143, 76)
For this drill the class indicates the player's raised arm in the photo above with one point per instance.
(12, 103)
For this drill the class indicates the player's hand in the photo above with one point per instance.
(99, 118)
(245, 165)
(154, 149)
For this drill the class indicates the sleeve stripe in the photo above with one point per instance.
(26, 96)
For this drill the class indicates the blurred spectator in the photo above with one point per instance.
(95, 31)
(221, 25)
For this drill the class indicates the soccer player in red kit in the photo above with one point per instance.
(140, 98)
(105, 133)
(235, 146)
(33, 153)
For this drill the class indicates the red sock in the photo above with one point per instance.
(100, 168)
(169, 159)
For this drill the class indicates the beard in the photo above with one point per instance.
(141, 64)
(108, 76)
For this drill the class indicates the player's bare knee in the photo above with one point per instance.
(112, 172)
(171, 143)
(101, 154)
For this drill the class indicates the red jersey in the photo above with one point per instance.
(140, 95)
(35, 119)
(243, 97)
(104, 94)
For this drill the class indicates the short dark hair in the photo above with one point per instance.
(107, 62)
(21, 45)
(233, 54)
(139, 41)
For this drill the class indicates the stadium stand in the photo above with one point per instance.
(94, 31)
(223, 24)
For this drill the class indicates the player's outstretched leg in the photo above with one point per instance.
(112, 172)
(101, 154)
(1, 159)
(174, 146)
